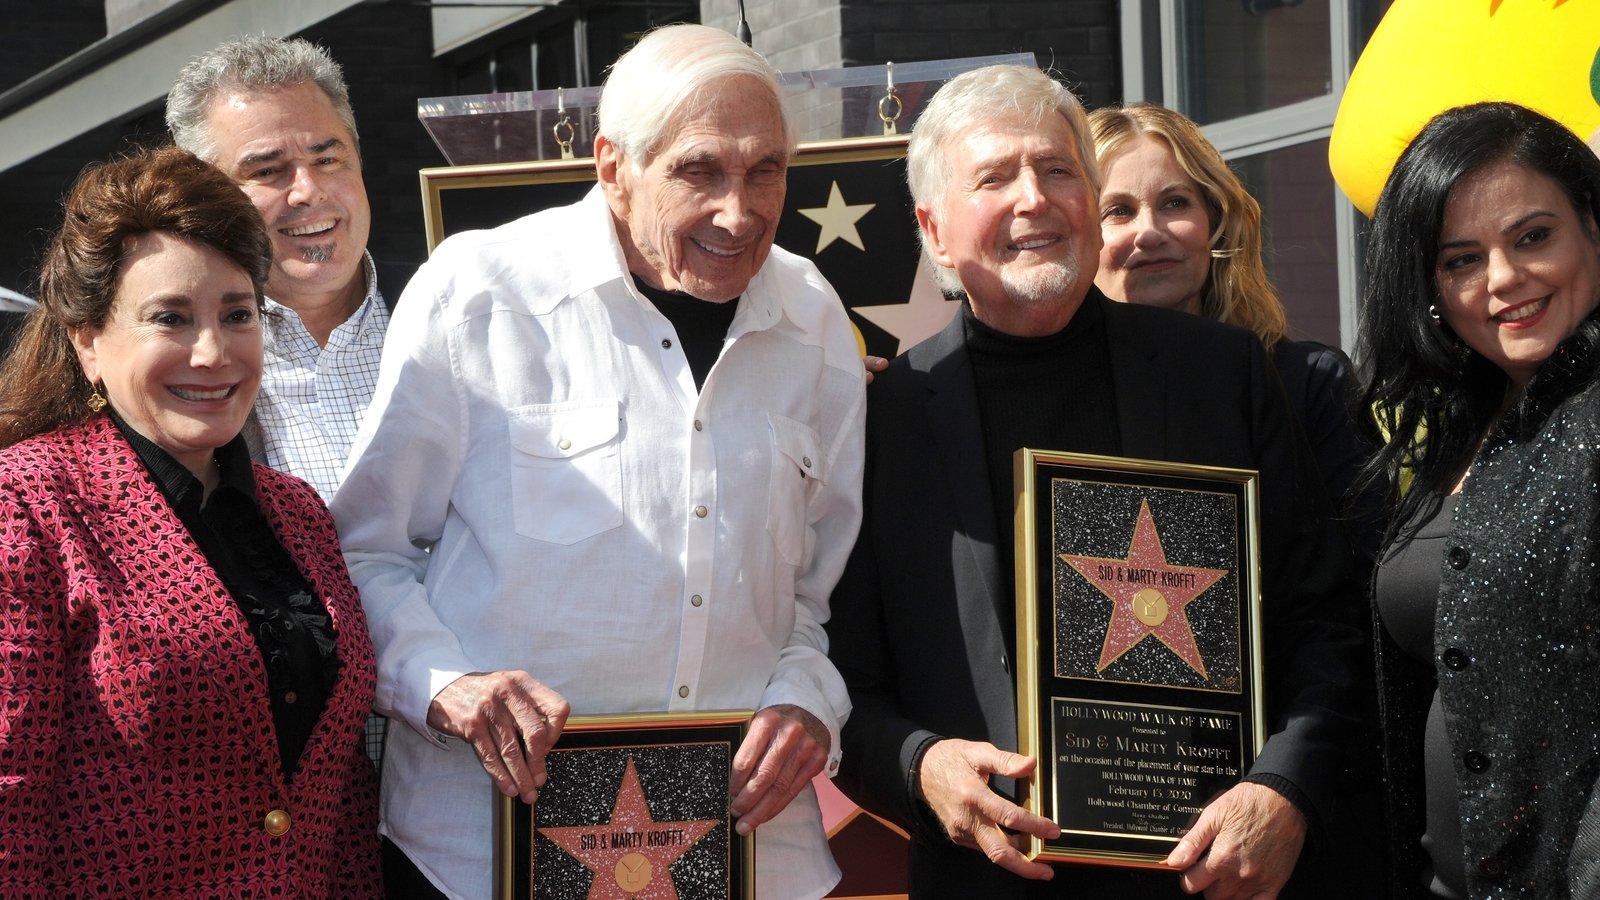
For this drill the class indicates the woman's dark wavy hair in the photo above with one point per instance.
(1433, 397)
(42, 386)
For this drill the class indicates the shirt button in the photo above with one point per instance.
(805, 461)
(697, 426)
(1492, 869)
(683, 690)
(1455, 659)
(695, 600)
(833, 766)
(565, 444)
(666, 343)
(290, 696)
(700, 512)
(276, 823)
(1476, 762)
(1458, 557)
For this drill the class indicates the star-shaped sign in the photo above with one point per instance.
(631, 855)
(1148, 595)
(838, 220)
(922, 317)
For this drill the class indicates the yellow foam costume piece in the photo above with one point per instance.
(1430, 55)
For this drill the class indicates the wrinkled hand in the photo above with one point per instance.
(954, 780)
(873, 365)
(1244, 846)
(510, 719)
(783, 750)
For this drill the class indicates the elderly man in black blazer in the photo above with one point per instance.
(923, 630)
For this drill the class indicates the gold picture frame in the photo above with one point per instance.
(631, 797)
(1139, 663)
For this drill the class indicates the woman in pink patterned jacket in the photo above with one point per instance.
(184, 665)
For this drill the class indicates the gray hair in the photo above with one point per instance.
(963, 105)
(251, 64)
(662, 78)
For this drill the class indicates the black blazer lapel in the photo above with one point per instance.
(1139, 381)
(952, 411)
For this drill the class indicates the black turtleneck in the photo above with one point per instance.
(1048, 393)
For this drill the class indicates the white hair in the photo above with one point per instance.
(963, 105)
(666, 76)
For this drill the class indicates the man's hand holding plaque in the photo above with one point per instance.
(510, 719)
(1251, 830)
(954, 781)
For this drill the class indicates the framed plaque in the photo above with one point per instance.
(636, 806)
(1138, 648)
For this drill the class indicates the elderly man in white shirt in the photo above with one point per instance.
(613, 465)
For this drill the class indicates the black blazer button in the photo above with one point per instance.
(1491, 869)
(1476, 762)
(1455, 659)
(1458, 557)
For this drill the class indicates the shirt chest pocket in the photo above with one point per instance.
(566, 469)
(798, 471)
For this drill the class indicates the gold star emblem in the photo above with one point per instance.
(838, 220)
(631, 854)
(1149, 595)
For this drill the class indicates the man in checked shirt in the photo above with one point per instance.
(275, 116)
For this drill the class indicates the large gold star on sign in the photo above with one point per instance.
(838, 220)
(630, 856)
(1148, 595)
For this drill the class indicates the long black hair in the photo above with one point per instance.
(1435, 398)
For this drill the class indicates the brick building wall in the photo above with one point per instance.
(794, 35)
(386, 52)
(387, 55)
(31, 194)
(1078, 38)
(37, 35)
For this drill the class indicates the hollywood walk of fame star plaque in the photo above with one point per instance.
(635, 808)
(1138, 648)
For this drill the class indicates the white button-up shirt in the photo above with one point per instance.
(540, 486)
(313, 398)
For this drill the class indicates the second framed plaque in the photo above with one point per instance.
(1138, 648)
(635, 806)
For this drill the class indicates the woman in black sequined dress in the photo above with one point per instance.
(1480, 344)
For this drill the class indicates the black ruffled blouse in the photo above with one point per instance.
(290, 624)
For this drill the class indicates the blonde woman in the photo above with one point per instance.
(1179, 230)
